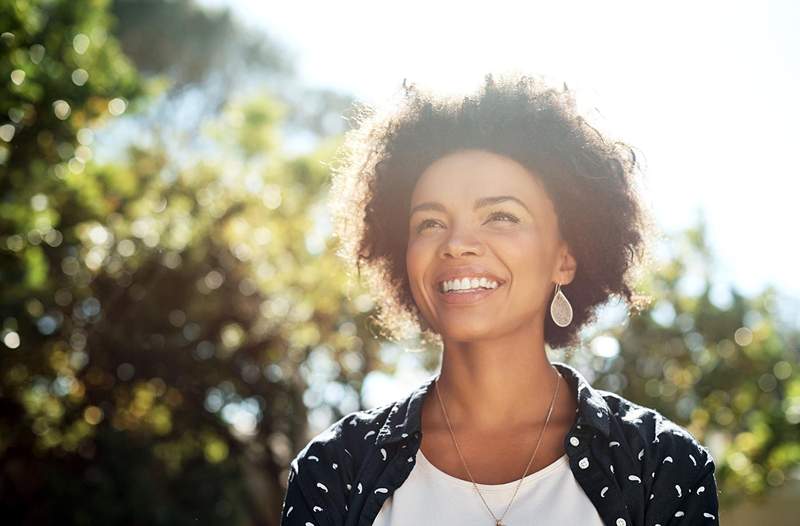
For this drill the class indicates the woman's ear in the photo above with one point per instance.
(566, 265)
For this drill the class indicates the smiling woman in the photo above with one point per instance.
(495, 226)
(456, 232)
(584, 179)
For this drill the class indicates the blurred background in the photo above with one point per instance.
(175, 324)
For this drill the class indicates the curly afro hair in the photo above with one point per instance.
(588, 178)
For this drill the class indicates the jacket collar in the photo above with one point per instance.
(405, 416)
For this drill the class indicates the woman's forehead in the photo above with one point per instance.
(473, 174)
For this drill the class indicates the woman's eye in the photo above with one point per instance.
(425, 224)
(504, 216)
(500, 216)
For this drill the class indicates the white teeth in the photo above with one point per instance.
(467, 284)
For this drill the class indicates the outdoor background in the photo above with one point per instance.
(175, 325)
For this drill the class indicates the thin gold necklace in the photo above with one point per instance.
(498, 521)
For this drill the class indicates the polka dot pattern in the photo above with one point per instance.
(636, 466)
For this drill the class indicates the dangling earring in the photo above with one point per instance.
(560, 309)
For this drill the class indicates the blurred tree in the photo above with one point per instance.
(715, 361)
(166, 325)
(188, 43)
(61, 72)
(206, 56)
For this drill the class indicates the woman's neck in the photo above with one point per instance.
(498, 384)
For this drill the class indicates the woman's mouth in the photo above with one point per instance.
(467, 290)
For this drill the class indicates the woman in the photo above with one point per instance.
(495, 225)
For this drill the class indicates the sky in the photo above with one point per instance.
(705, 90)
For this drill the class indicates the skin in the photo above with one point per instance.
(495, 380)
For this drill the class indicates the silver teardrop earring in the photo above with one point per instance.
(560, 308)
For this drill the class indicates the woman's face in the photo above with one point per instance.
(484, 251)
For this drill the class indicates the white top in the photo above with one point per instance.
(431, 496)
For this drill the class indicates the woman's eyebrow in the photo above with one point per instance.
(486, 201)
(479, 203)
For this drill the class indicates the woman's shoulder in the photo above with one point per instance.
(676, 471)
(323, 472)
(648, 432)
(359, 434)
(632, 428)
(346, 441)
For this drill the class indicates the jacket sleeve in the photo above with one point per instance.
(684, 490)
(318, 475)
(297, 510)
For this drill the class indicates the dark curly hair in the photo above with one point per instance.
(588, 178)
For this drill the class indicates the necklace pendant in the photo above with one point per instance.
(498, 523)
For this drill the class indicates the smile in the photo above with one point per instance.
(467, 290)
(467, 284)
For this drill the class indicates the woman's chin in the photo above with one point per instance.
(467, 332)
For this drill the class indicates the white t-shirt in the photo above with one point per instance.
(431, 496)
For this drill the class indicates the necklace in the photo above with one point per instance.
(499, 521)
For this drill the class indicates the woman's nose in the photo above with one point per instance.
(461, 242)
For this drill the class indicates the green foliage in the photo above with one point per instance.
(716, 362)
(64, 71)
(166, 349)
(63, 74)
(157, 316)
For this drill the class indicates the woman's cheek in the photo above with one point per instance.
(525, 242)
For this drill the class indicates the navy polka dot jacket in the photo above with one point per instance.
(635, 465)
